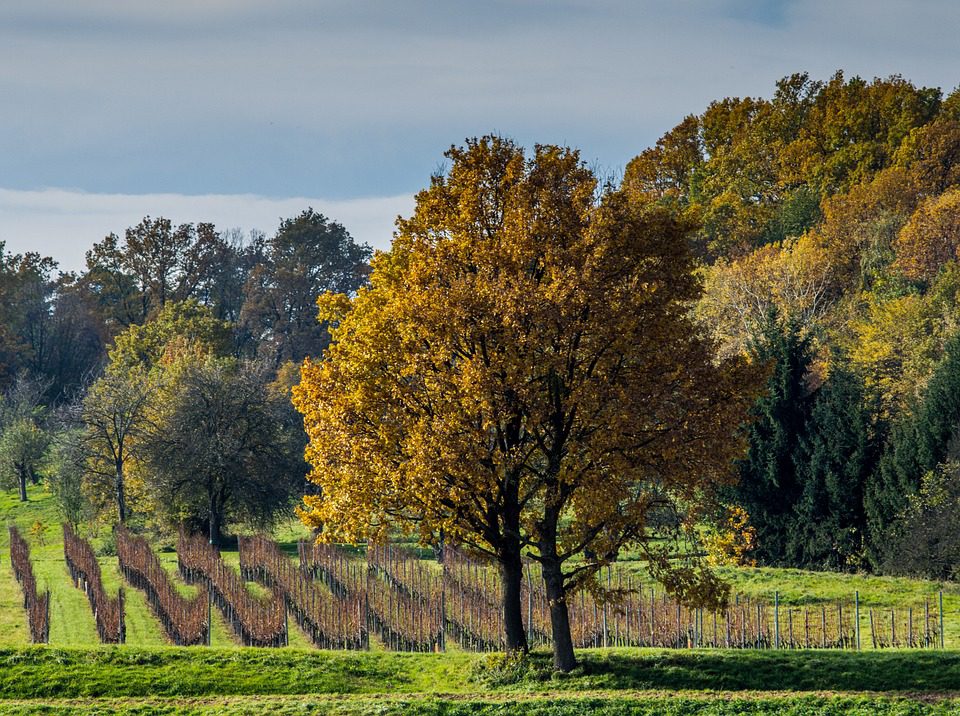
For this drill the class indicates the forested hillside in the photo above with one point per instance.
(829, 230)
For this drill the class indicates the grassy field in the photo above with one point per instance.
(207, 681)
(75, 675)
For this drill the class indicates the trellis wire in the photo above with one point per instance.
(330, 619)
(255, 622)
(624, 612)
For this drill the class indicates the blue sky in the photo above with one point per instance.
(244, 111)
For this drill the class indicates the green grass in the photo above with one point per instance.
(72, 623)
(71, 620)
(75, 675)
(800, 587)
(639, 704)
(624, 681)
(46, 672)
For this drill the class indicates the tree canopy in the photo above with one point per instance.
(522, 375)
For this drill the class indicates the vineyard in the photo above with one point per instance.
(255, 622)
(389, 598)
(414, 608)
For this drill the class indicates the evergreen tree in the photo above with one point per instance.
(833, 461)
(769, 486)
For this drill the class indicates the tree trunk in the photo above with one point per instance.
(121, 497)
(215, 522)
(511, 572)
(563, 657)
(22, 475)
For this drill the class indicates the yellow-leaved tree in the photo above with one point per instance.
(522, 375)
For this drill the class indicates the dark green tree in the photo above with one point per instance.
(226, 447)
(769, 487)
(156, 263)
(834, 458)
(924, 541)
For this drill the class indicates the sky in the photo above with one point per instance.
(244, 112)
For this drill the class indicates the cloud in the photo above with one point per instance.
(64, 224)
(337, 98)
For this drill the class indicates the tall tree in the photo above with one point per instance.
(309, 255)
(523, 376)
(156, 263)
(27, 292)
(835, 457)
(117, 409)
(114, 416)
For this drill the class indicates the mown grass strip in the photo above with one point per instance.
(638, 704)
(808, 670)
(45, 672)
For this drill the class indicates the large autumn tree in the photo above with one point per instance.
(522, 375)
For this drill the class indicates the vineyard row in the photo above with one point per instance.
(36, 605)
(85, 572)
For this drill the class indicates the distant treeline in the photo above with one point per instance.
(57, 326)
(156, 382)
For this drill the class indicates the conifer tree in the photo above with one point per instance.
(832, 464)
(769, 487)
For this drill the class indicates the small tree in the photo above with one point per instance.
(22, 448)
(116, 411)
(222, 446)
(66, 465)
(24, 438)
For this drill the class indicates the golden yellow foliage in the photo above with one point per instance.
(896, 342)
(931, 238)
(795, 278)
(733, 541)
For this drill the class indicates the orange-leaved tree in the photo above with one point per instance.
(522, 375)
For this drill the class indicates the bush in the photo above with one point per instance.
(925, 539)
(108, 546)
(494, 670)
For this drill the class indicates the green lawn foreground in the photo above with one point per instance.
(618, 681)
